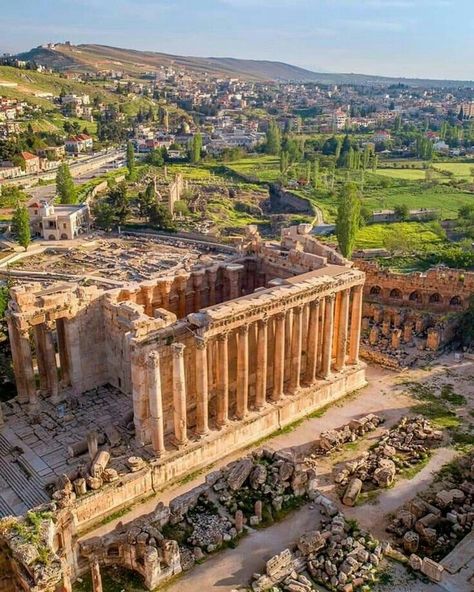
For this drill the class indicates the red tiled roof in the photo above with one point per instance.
(28, 156)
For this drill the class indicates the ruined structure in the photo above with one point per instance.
(416, 311)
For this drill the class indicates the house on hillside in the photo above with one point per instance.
(58, 222)
(79, 143)
(30, 163)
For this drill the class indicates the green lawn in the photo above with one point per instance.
(461, 170)
(375, 235)
(408, 174)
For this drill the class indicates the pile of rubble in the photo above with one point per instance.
(249, 491)
(434, 525)
(339, 557)
(405, 445)
(331, 440)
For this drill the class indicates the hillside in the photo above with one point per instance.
(93, 58)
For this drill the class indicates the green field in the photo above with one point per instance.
(376, 235)
(408, 174)
(263, 168)
(461, 170)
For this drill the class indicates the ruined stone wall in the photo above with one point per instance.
(436, 290)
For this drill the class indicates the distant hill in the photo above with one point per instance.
(93, 58)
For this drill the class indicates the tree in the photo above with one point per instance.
(65, 185)
(161, 217)
(131, 161)
(273, 143)
(196, 149)
(348, 218)
(284, 162)
(120, 203)
(401, 212)
(145, 200)
(155, 158)
(21, 226)
(104, 215)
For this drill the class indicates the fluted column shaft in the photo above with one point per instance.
(202, 390)
(288, 341)
(296, 348)
(343, 328)
(242, 371)
(312, 342)
(156, 404)
(223, 380)
(22, 365)
(140, 398)
(50, 361)
(356, 318)
(328, 336)
(279, 357)
(179, 394)
(262, 361)
(38, 332)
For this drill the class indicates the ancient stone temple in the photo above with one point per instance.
(210, 360)
(200, 348)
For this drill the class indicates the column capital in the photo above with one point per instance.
(314, 303)
(262, 322)
(280, 316)
(243, 330)
(331, 297)
(153, 359)
(223, 336)
(178, 349)
(298, 309)
(201, 342)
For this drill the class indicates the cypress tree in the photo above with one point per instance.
(65, 185)
(348, 219)
(21, 226)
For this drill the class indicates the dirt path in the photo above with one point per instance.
(232, 568)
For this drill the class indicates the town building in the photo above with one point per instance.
(58, 222)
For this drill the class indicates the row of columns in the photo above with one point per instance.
(325, 349)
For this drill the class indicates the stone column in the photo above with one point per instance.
(51, 366)
(312, 342)
(211, 281)
(140, 398)
(96, 577)
(202, 391)
(288, 336)
(233, 272)
(198, 277)
(343, 327)
(38, 333)
(147, 289)
(179, 394)
(156, 404)
(296, 348)
(356, 315)
(222, 406)
(23, 364)
(262, 360)
(181, 283)
(165, 290)
(279, 357)
(335, 333)
(242, 371)
(73, 345)
(328, 336)
(63, 353)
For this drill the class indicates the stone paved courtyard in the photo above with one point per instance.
(34, 453)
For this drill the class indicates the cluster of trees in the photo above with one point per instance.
(465, 221)
(424, 148)
(21, 226)
(29, 141)
(154, 213)
(113, 210)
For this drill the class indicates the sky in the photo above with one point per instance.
(413, 38)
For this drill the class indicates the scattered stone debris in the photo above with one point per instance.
(332, 440)
(341, 557)
(405, 445)
(432, 525)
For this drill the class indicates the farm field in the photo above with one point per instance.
(461, 170)
(263, 168)
(376, 235)
(408, 174)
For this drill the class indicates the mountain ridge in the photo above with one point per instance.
(96, 57)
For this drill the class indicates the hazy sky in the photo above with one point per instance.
(428, 38)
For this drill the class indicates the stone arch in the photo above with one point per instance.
(51, 237)
(455, 301)
(435, 298)
(415, 296)
(396, 294)
(63, 236)
(375, 291)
